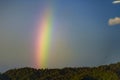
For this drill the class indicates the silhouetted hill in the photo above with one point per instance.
(3, 77)
(104, 72)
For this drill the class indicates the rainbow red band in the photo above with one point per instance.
(44, 32)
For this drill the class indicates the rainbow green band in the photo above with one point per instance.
(44, 32)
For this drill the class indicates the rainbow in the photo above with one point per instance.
(44, 33)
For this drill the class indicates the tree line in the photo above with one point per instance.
(104, 72)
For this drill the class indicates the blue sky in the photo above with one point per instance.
(82, 35)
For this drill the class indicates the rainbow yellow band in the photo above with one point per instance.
(44, 38)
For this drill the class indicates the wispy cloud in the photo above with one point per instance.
(114, 21)
(116, 2)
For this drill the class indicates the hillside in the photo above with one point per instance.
(104, 72)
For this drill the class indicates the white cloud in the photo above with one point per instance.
(116, 2)
(114, 21)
